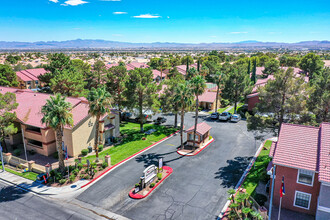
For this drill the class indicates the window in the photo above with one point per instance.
(36, 82)
(302, 200)
(29, 82)
(305, 177)
(191, 137)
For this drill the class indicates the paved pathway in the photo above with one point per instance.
(197, 189)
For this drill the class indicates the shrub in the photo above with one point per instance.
(72, 177)
(75, 171)
(101, 168)
(81, 176)
(86, 177)
(157, 181)
(260, 199)
(17, 152)
(71, 168)
(152, 185)
(80, 166)
(62, 181)
(55, 155)
(224, 102)
(32, 152)
(52, 173)
(159, 176)
(104, 165)
(137, 184)
(100, 147)
(93, 164)
(210, 137)
(84, 152)
(86, 170)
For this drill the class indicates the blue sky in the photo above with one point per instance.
(187, 21)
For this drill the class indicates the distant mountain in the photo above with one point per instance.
(104, 44)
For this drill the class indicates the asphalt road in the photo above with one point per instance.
(17, 204)
(197, 188)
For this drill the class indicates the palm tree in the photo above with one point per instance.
(56, 114)
(161, 63)
(99, 104)
(198, 85)
(183, 96)
(217, 80)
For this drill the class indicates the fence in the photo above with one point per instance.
(22, 164)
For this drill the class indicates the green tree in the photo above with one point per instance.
(167, 98)
(236, 85)
(292, 61)
(100, 72)
(68, 83)
(263, 60)
(13, 59)
(198, 86)
(7, 117)
(254, 71)
(7, 76)
(141, 92)
(311, 63)
(271, 67)
(56, 115)
(184, 98)
(192, 72)
(283, 97)
(187, 59)
(173, 73)
(218, 80)
(99, 104)
(117, 78)
(319, 100)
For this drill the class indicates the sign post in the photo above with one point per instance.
(160, 164)
(24, 144)
(3, 164)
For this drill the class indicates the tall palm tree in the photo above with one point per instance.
(184, 98)
(99, 104)
(161, 63)
(198, 85)
(217, 80)
(56, 114)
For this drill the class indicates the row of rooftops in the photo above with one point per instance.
(304, 147)
(30, 74)
(30, 103)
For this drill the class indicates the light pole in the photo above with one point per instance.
(2, 163)
(271, 194)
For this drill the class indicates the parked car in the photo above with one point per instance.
(160, 120)
(215, 115)
(235, 118)
(125, 115)
(225, 116)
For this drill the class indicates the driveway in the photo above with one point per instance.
(197, 188)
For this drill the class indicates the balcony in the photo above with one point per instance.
(109, 127)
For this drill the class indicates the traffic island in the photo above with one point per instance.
(190, 151)
(195, 144)
(151, 179)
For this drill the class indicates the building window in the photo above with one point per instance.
(29, 82)
(302, 200)
(36, 82)
(305, 177)
(191, 137)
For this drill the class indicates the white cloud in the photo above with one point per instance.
(146, 16)
(74, 2)
(168, 16)
(238, 32)
(55, 1)
(119, 13)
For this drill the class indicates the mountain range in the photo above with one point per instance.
(105, 44)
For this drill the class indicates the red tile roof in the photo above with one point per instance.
(30, 74)
(202, 128)
(297, 147)
(304, 147)
(183, 68)
(157, 73)
(272, 149)
(30, 104)
(208, 97)
(129, 66)
(324, 170)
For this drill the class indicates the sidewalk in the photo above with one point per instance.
(38, 187)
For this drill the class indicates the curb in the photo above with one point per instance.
(189, 155)
(138, 196)
(240, 182)
(127, 159)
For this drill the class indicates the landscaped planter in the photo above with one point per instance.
(146, 191)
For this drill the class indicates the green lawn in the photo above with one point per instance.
(133, 142)
(220, 110)
(239, 105)
(258, 171)
(28, 175)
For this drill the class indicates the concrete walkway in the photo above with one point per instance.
(38, 187)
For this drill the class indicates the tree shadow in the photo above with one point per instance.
(230, 174)
(11, 193)
(153, 158)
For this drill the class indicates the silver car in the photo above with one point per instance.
(224, 116)
(235, 118)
